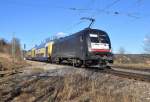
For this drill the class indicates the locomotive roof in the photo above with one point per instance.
(90, 29)
(84, 30)
(42, 45)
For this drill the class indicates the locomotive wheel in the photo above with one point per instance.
(57, 60)
(49, 60)
(78, 63)
(103, 64)
(84, 64)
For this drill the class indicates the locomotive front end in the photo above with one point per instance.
(99, 47)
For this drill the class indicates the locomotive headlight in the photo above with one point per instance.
(90, 50)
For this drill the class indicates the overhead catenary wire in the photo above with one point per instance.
(104, 10)
(129, 14)
(111, 4)
(139, 2)
(106, 7)
(73, 26)
(110, 12)
(107, 11)
(98, 11)
(88, 5)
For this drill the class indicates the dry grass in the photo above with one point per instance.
(82, 89)
(132, 65)
(8, 64)
(76, 88)
(134, 61)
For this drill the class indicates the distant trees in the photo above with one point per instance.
(4, 46)
(121, 58)
(13, 48)
(147, 44)
(121, 50)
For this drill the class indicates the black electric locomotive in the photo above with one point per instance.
(87, 47)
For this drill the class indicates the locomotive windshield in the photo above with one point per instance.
(98, 39)
(94, 38)
(103, 39)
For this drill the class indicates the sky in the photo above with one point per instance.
(32, 21)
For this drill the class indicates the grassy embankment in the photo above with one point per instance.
(7, 62)
(78, 88)
(132, 61)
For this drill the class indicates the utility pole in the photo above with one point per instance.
(21, 51)
(24, 49)
(13, 48)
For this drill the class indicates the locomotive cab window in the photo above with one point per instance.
(94, 38)
(104, 39)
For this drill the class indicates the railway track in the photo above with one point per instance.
(140, 75)
(126, 74)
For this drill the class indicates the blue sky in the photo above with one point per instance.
(34, 20)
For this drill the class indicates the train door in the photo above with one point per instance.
(34, 53)
(46, 53)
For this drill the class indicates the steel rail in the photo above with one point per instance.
(129, 75)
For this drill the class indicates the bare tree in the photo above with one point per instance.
(4, 46)
(121, 50)
(16, 48)
(147, 44)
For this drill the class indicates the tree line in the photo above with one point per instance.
(12, 48)
(146, 47)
